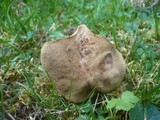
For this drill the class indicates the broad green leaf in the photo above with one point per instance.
(124, 105)
(56, 35)
(137, 111)
(125, 102)
(112, 103)
(152, 113)
(131, 26)
(129, 97)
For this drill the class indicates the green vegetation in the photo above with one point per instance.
(27, 93)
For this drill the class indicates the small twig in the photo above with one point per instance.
(36, 113)
(96, 102)
(126, 116)
(12, 118)
(59, 112)
(154, 4)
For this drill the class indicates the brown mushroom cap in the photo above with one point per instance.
(83, 62)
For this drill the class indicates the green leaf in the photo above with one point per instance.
(112, 103)
(124, 105)
(56, 35)
(82, 117)
(28, 35)
(131, 26)
(86, 108)
(129, 97)
(125, 102)
(137, 111)
(150, 112)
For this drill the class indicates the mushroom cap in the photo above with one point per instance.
(83, 62)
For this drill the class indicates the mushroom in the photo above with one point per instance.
(83, 62)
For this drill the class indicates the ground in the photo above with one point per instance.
(27, 93)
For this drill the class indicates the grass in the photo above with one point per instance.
(25, 90)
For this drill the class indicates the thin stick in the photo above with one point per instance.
(96, 102)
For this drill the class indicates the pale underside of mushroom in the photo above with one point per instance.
(83, 62)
